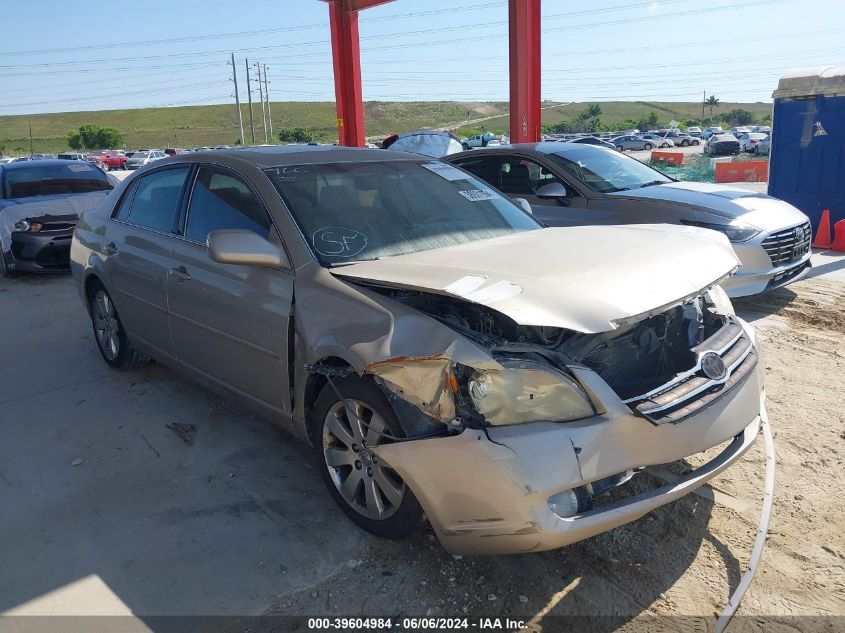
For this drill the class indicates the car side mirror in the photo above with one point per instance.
(526, 206)
(552, 190)
(241, 246)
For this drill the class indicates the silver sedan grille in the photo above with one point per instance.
(789, 244)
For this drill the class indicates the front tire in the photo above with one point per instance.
(110, 334)
(619, 148)
(368, 490)
(647, 146)
(685, 143)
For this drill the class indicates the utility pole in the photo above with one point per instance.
(261, 95)
(249, 93)
(237, 99)
(703, 103)
(267, 98)
(30, 139)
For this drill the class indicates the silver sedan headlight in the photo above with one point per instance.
(527, 391)
(736, 230)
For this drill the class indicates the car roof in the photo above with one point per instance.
(27, 164)
(279, 155)
(542, 148)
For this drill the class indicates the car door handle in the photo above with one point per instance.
(110, 248)
(180, 274)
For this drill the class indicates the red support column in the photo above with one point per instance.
(524, 40)
(346, 59)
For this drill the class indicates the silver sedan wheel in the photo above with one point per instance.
(350, 430)
(106, 325)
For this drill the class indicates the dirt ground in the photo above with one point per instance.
(684, 559)
(112, 512)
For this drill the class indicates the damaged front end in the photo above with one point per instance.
(665, 366)
(509, 450)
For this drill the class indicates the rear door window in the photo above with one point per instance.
(477, 166)
(520, 176)
(223, 201)
(156, 202)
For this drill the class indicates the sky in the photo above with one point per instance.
(69, 55)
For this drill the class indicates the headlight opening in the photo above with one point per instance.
(527, 391)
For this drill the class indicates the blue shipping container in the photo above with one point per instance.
(807, 167)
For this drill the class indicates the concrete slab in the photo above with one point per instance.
(100, 499)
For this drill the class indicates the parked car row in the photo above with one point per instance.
(666, 138)
(722, 143)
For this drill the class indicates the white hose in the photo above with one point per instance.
(762, 528)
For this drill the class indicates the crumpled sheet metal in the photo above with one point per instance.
(422, 381)
(410, 353)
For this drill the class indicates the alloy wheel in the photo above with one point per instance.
(350, 430)
(106, 325)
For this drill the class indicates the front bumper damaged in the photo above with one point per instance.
(487, 491)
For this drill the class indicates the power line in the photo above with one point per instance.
(120, 95)
(250, 33)
(324, 25)
(112, 83)
(462, 27)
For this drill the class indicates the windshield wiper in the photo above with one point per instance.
(350, 262)
(652, 183)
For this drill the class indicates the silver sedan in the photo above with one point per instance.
(632, 142)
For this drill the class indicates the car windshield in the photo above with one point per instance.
(51, 180)
(366, 210)
(140, 155)
(606, 171)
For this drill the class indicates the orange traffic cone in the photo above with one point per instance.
(839, 237)
(823, 233)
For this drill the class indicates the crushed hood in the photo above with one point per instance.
(758, 209)
(582, 278)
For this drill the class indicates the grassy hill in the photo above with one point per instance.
(217, 124)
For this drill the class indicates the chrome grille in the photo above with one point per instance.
(788, 245)
(692, 390)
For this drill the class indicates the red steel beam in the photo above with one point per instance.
(346, 61)
(524, 41)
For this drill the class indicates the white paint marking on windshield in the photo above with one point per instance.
(338, 241)
(477, 195)
(449, 172)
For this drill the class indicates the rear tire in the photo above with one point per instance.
(647, 146)
(685, 143)
(465, 146)
(109, 332)
(369, 492)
